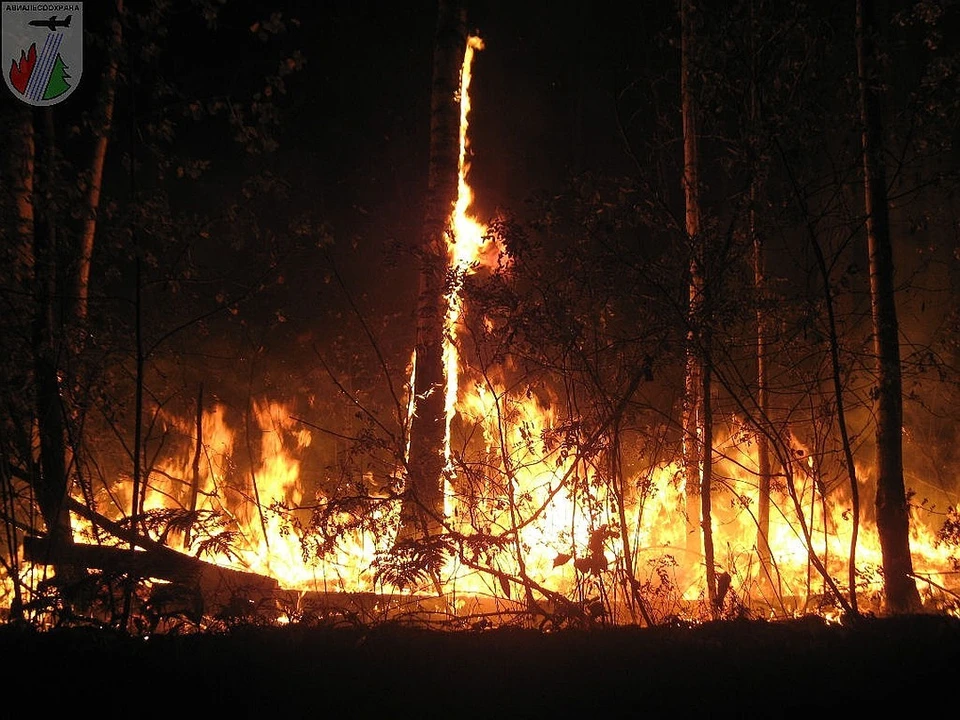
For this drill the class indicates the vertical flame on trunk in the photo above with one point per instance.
(512, 427)
(465, 244)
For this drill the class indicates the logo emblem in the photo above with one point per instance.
(42, 50)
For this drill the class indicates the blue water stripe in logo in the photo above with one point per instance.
(44, 67)
(35, 75)
(49, 62)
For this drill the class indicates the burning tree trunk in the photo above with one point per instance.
(422, 507)
(697, 423)
(893, 520)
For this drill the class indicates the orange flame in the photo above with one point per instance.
(466, 246)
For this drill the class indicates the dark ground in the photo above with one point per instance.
(739, 669)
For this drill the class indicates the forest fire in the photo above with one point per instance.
(569, 541)
(550, 518)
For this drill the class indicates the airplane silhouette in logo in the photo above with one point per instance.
(52, 24)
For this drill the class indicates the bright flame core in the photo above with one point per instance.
(465, 247)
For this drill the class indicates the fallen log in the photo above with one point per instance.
(223, 589)
(140, 563)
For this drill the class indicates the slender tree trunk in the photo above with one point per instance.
(706, 480)
(422, 508)
(616, 474)
(52, 486)
(253, 463)
(691, 419)
(76, 333)
(12, 534)
(786, 462)
(697, 445)
(139, 484)
(764, 468)
(893, 518)
(195, 470)
(22, 159)
(23, 162)
(82, 291)
(837, 376)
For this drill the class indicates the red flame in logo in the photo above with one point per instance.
(20, 72)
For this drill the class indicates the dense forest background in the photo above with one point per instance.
(255, 251)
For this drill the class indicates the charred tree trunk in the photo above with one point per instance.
(697, 427)
(52, 486)
(22, 164)
(893, 519)
(422, 508)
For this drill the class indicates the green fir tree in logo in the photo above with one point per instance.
(58, 84)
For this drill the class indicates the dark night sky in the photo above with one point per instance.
(355, 126)
(357, 116)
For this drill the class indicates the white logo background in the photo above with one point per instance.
(42, 50)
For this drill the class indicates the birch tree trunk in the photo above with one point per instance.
(893, 519)
(764, 466)
(422, 507)
(22, 158)
(82, 290)
(764, 469)
(697, 415)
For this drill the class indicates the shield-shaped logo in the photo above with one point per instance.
(42, 50)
